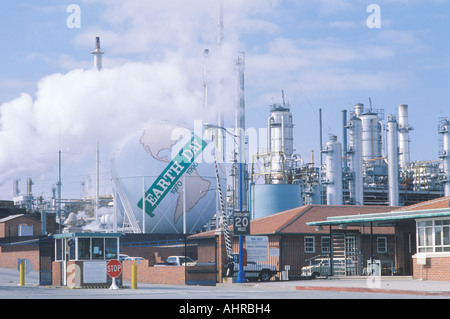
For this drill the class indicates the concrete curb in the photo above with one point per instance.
(372, 290)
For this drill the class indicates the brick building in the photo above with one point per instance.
(422, 235)
(293, 243)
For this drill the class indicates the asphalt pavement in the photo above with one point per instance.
(383, 286)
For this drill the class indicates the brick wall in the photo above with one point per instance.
(10, 228)
(163, 252)
(57, 273)
(436, 268)
(10, 253)
(170, 275)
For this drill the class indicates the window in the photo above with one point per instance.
(111, 248)
(310, 244)
(60, 254)
(98, 248)
(326, 248)
(84, 248)
(433, 236)
(71, 246)
(381, 245)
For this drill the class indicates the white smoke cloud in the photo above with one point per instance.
(74, 111)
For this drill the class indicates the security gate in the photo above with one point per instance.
(346, 248)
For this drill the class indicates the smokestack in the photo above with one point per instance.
(393, 160)
(29, 186)
(403, 129)
(97, 54)
(16, 190)
(220, 25)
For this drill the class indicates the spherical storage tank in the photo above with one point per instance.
(161, 172)
(269, 199)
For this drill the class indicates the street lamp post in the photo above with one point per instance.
(241, 178)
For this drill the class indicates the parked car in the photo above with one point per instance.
(180, 261)
(122, 257)
(320, 267)
(255, 270)
(134, 258)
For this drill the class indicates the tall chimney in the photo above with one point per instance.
(97, 54)
(393, 172)
(403, 129)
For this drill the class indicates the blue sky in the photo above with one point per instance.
(321, 53)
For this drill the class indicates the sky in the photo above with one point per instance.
(324, 54)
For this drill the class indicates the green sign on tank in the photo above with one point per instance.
(172, 173)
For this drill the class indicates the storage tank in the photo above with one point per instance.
(164, 164)
(333, 151)
(269, 199)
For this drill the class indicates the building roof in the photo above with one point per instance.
(86, 234)
(441, 202)
(430, 209)
(294, 221)
(10, 217)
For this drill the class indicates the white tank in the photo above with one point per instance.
(354, 152)
(393, 161)
(333, 151)
(371, 137)
(281, 138)
(164, 164)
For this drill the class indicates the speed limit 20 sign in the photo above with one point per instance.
(241, 223)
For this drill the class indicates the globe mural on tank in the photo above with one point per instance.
(160, 173)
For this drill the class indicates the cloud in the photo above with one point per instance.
(74, 111)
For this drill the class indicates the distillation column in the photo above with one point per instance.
(354, 152)
(444, 129)
(333, 151)
(393, 160)
(403, 129)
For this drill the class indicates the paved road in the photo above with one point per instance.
(317, 289)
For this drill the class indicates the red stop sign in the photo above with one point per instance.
(114, 268)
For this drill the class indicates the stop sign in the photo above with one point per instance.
(114, 268)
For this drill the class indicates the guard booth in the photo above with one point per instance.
(81, 259)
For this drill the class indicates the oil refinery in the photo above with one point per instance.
(370, 165)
